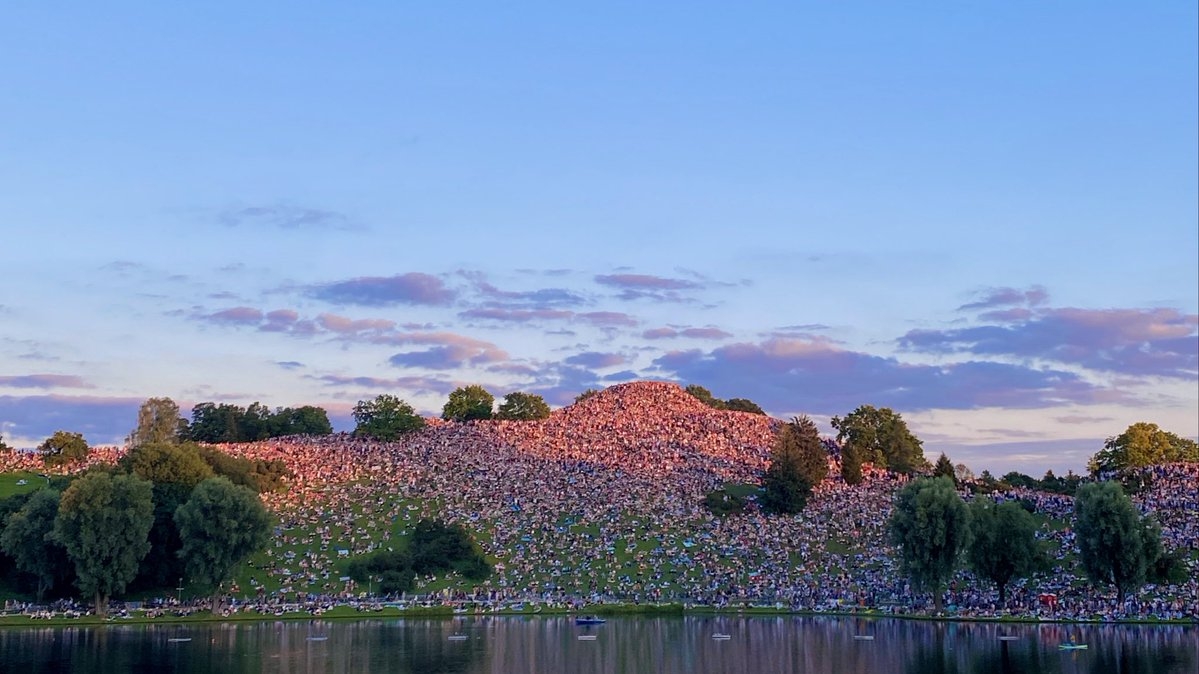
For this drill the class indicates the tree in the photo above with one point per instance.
(944, 468)
(519, 406)
(881, 437)
(29, 539)
(158, 421)
(705, 396)
(962, 474)
(306, 420)
(221, 525)
(743, 405)
(468, 403)
(103, 522)
(385, 418)
(4, 445)
(930, 527)
(167, 463)
(585, 395)
(1004, 544)
(798, 462)
(1142, 444)
(1117, 546)
(851, 464)
(63, 448)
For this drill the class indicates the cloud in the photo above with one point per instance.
(608, 319)
(692, 333)
(288, 216)
(1139, 342)
(348, 326)
(236, 316)
(44, 381)
(280, 320)
(413, 288)
(1006, 297)
(647, 286)
(289, 364)
(101, 420)
(448, 350)
(415, 385)
(816, 376)
(596, 360)
(515, 315)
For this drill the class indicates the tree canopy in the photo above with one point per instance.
(167, 463)
(103, 522)
(28, 538)
(1142, 444)
(221, 525)
(743, 405)
(586, 394)
(944, 468)
(468, 403)
(64, 447)
(385, 418)
(1116, 544)
(798, 462)
(930, 527)
(518, 406)
(881, 437)
(1004, 545)
(217, 423)
(734, 404)
(158, 421)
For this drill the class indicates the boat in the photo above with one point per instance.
(1008, 638)
(721, 636)
(1071, 646)
(178, 640)
(864, 637)
(318, 638)
(586, 637)
(458, 637)
(589, 620)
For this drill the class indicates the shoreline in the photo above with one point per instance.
(347, 613)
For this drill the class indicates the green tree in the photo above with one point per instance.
(385, 418)
(29, 539)
(158, 421)
(518, 406)
(880, 436)
(944, 468)
(851, 464)
(306, 420)
(930, 528)
(167, 463)
(221, 525)
(586, 394)
(468, 403)
(705, 396)
(1004, 543)
(743, 405)
(1142, 444)
(798, 462)
(62, 448)
(1117, 546)
(103, 522)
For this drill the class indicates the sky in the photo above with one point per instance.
(984, 216)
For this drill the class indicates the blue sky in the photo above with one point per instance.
(982, 215)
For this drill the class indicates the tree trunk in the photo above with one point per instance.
(1003, 594)
(101, 605)
(216, 602)
(939, 601)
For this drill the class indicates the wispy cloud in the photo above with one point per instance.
(288, 216)
(1005, 297)
(44, 381)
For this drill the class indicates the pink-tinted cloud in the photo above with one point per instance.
(236, 316)
(1138, 342)
(516, 315)
(709, 333)
(608, 319)
(1006, 297)
(448, 350)
(44, 381)
(645, 282)
(414, 385)
(348, 326)
(413, 288)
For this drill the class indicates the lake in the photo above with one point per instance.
(551, 645)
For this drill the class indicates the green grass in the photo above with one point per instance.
(9, 483)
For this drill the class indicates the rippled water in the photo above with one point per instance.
(624, 645)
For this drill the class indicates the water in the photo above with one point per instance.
(624, 645)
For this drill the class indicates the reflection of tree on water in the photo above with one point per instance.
(1130, 655)
(1014, 657)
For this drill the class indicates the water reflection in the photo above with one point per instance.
(667, 645)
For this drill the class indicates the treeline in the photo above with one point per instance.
(218, 423)
(433, 548)
(164, 514)
(934, 531)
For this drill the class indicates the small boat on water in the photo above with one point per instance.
(458, 637)
(721, 636)
(864, 637)
(318, 638)
(589, 620)
(1071, 646)
(1008, 638)
(586, 637)
(178, 640)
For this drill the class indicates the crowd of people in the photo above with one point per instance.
(602, 502)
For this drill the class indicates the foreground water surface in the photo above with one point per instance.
(552, 645)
